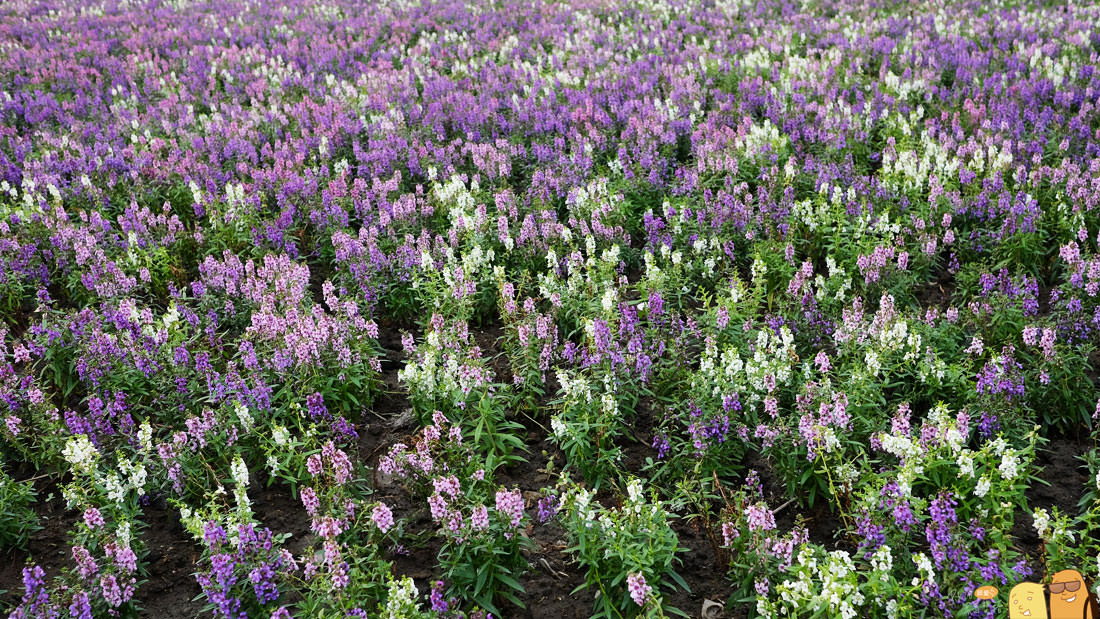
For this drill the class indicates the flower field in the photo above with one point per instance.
(613, 308)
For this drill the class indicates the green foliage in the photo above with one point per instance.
(18, 519)
(611, 544)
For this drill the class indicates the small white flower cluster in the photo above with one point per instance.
(401, 601)
(826, 585)
(994, 462)
(581, 502)
(280, 435)
(882, 561)
(724, 371)
(617, 521)
(245, 417)
(924, 566)
(1041, 521)
(81, 453)
(133, 477)
(239, 471)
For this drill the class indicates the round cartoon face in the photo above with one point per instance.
(1068, 595)
(1027, 600)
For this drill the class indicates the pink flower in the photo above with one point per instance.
(510, 503)
(314, 465)
(760, 517)
(85, 564)
(341, 466)
(447, 485)
(328, 527)
(92, 518)
(310, 500)
(340, 576)
(479, 520)
(639, 591)
(382, 517)
(729, 533)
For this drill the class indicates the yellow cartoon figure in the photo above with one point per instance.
(1069, 598)
(1027, 600)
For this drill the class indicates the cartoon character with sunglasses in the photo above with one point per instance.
(1069, 598)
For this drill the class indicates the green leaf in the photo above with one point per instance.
(680, 581)
(482, 576)
(508, 580)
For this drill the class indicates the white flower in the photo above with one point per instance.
(71, 494)
(244, 504)
(634, 490)
(924, 565)
(899, 445)
(871, 360)
(882, 560)
(80, 452)
(280, 435)
(954, 439)
(966, 465)
(239, 471)
(115, 490)
(608, 301)
(123, 533)
(982, 488)
(758, 270)
(244, 416)
(1041, 521)
(401, 599)
(609, 405)
(1009, 467)
(145, 436)
(558, 427)
(138, 475)
(999, 445)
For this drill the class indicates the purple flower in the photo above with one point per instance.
(310, 500)
(547, 508)
(439, 604)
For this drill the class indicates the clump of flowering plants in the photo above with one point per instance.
(481, 524)
(18, 519)
(755, 546)
(628, 552)
(448, 373)
(952, 502)
(1069, 540)
(106, 550)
